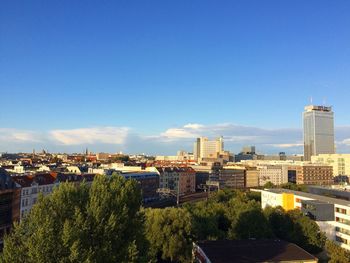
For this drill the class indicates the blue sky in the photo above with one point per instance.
(81, 73)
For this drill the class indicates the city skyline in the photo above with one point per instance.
(151, 77)
(115, 139)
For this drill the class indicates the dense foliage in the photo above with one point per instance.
(106, 223)
(100, 223)
(169, 233)
(337, 254)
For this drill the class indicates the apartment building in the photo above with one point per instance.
(314, 174)
(187, 180)
(181, 179)
(9, 204)
(31, 186)
(148, 182)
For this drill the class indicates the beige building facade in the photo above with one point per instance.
(339, 162)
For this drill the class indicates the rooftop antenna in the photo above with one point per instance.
(324, 101)
(311, 100)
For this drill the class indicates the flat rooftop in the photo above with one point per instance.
(264, 250)
(321, 198)
(318, 108)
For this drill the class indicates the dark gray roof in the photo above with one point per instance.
(265, 250)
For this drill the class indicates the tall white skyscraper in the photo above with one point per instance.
(318, 131)
(205, 148)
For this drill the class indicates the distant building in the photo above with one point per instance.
(248, 150)
(73, 169)
(276, 174)
(232, 177)
(202, 175)
(318, 131)
(102, 156)
(339, 162)
(181, 156)
(179, 179)
(251, 177)
(313, 174)
(187, 180)
(205, 148)
(148, 182)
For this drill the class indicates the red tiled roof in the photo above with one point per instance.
(23, 180)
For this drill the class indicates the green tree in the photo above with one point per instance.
(169, 234)
(252, 224)
(101, 223)
(235, 209)
(295, 187)
(336, 253)
(269, 185)
(209, 220)
(306, 233)
(281, 223)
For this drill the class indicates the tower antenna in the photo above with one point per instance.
(311, 100)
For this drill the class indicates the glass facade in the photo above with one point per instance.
(318, 131)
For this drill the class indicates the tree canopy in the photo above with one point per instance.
(105, 222)
(169, 233)
(100, 223)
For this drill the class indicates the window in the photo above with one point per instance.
(342, 220)
(341, 240)
(342, 230)
(340, 210)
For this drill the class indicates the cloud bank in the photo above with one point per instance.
(113, 139)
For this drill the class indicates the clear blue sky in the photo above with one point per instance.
(156, 65)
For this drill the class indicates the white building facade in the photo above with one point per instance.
(337, 229)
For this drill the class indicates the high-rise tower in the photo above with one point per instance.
(205, 148)
(318, 131)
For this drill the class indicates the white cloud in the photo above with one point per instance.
(287, 145)
(193, 126)
(166, 142)
(105, 135)
(178, 133)
(19, 136)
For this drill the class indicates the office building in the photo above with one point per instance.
(339, 162)
(251, 177)
(318, 131)
(232, 177)
(276, 174)
(208, 149)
